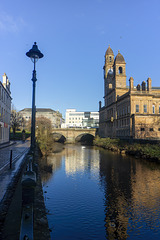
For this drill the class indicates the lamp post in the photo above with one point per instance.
(34, 54)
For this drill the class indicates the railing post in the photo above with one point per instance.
(11, 159)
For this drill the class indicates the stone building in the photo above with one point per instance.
(54, 116)
(5, 109)
(128, 112)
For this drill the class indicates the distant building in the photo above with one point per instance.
(5, 109)
(54, 116)
(129, 112)
(76, 119)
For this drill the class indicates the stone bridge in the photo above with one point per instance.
(72, 135)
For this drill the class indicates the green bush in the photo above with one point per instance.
(151, 151)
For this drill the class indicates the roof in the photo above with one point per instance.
(109, 51)
(38, 110)
(119, 58)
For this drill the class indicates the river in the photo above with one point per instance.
(96, 194)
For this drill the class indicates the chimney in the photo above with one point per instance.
(149, 84)
(143, 86)
(138, 87)
(131, 80)
(100, 103)
(6, 82)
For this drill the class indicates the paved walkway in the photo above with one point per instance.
(19, 150)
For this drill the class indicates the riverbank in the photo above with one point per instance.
(10, 224)
(41, 228)
(140, 150)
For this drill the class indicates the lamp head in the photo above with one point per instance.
(34, 53)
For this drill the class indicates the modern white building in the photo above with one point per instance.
(5, 109)
(76, 119)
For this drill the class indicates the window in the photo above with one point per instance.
(137, 108)
(151, 129)
(159, 108)
(153, 108)
(110, 85)
(145, 108)
(158, 129)
(142, 129)
(120, 70)
(110, 58)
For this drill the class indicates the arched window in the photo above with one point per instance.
(153, 109)
(110, 59)
(120, 70)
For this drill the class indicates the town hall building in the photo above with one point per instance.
(129, 112)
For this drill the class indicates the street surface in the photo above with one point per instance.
(6, 174)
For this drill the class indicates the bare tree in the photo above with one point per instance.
(16, 120)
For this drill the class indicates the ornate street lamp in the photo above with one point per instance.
(34, 54)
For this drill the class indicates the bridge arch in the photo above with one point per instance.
(85, 138)
(71, 134)
(58, 137)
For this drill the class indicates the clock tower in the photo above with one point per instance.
(108, 71)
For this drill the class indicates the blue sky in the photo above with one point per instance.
(74, 35)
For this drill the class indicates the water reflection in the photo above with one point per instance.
(102, 195)
(51, 163)
(81, 159)
(116, 179)
(132, 196)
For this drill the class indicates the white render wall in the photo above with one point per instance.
(75, 119)
(5, 109)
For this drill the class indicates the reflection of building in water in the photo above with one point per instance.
(81, 159)
(131, 192)
(117, 193)
(54, 161)
(146, 194)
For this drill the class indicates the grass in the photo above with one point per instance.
(18, 135)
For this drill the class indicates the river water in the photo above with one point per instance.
(95, 194)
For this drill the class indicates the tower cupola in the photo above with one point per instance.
(120, 71)
(119, 58)
(109, 51)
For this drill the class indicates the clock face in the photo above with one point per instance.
(110, 71)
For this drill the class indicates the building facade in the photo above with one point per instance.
(54, 116)
(5, 109)
(76, 119)
(129, 112)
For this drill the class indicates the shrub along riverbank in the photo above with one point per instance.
(147, 151)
